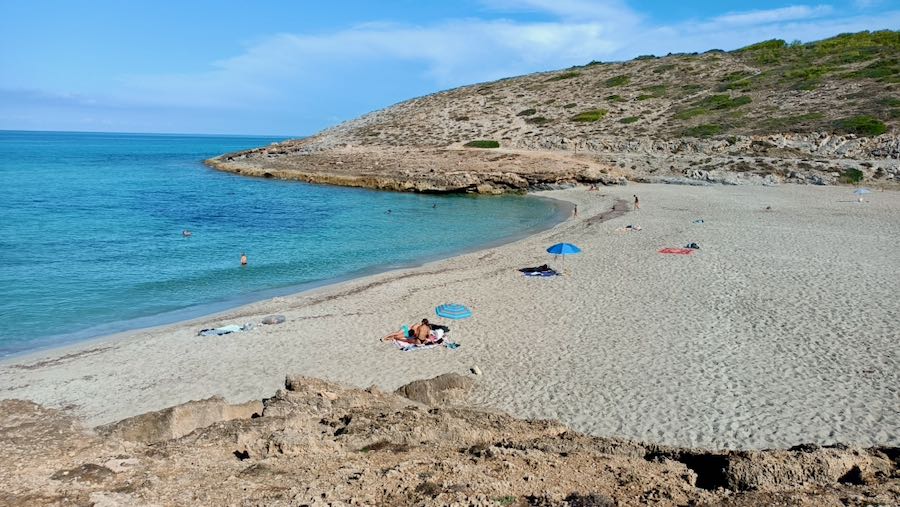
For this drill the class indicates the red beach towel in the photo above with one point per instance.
(677, 251)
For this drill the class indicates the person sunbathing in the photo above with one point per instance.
(418, 334)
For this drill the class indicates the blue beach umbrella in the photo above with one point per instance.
(563, 249)
(859, 192)
(453, 311)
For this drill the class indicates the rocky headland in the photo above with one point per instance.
(320, 443)
(825, 112)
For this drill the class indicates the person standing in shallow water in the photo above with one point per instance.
(243, 259)
(637, 203)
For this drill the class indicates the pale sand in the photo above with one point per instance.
(782, 329)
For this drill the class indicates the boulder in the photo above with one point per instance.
(178, 421)
(443, 389)
(273, 319)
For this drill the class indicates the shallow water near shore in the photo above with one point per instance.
(91, 238)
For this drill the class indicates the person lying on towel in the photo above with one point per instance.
(418, 334)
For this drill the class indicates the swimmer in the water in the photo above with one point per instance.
(186, 233)
(243, 259)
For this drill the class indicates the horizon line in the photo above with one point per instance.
(154, 133)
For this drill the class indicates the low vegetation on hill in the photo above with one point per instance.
(846, 84)
(767, 113)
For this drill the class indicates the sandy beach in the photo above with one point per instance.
(781, 329)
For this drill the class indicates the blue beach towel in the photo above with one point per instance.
(541, 273)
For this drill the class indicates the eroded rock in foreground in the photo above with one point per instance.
(318, 443)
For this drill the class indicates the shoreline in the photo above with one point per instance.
(79, 345)
(537, 367)
(206, 311)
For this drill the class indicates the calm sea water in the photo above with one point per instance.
(91, 232)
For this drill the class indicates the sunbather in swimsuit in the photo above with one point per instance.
(418, 334)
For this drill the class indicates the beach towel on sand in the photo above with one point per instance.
(219, 331)
(550, 272)
(409, 347)
(542, 270)
(677, 251)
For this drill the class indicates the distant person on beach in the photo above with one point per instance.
(243, 259)
(186, 233)
(637, 203)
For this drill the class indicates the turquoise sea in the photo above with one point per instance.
(91, 232)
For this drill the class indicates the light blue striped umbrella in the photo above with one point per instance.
(453, 311)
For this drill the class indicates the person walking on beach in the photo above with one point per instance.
(637, 203)
(243, 259)
(575, 211)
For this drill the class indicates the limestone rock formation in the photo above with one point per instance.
(443, 389)
(319, 443)
(175, 422)
(767, 114)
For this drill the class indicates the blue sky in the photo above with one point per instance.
(294, 67)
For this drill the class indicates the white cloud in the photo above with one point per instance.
(772, 15)
(296, 73)
(583, 10)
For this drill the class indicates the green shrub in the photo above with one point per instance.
(736, 76)
(742, 85)
(484, 143)
(703, 131)
(886, 70)
(564, 75)
(852, 176)
(660, 69)
(505, 500)
(655, 90)
(768, 44)
(588, 116)
(862, 125)
(526, 112)
(716, 102)
(617, 81)
(630, 119)
(537, 120)
(713, 103)
(691, 88)
(690, 113)
(789, 122)
(615, 98)
(890, 101)
(645, 97)
(569, 105)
